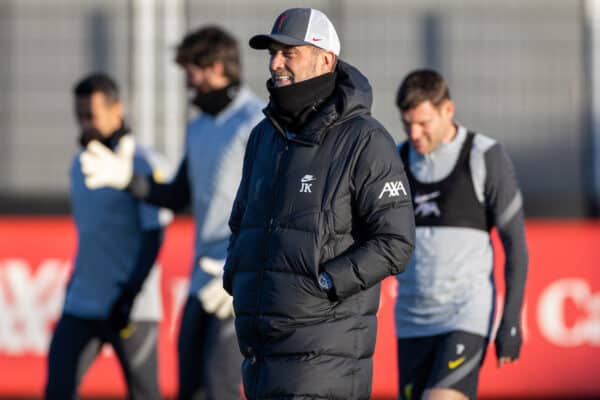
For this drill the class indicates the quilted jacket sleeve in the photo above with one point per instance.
(383, 215)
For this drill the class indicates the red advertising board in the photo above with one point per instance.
(560, 356)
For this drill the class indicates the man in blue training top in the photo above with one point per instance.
(207, 178)
(118, 241)
(463, 184)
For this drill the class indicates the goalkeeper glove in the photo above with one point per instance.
(102, 167)
(216, 300)
(213, 297)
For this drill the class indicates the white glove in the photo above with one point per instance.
(215, 299)
(102, 167)
(212, 266)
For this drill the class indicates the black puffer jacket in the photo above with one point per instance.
(333, 197)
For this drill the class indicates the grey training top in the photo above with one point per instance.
(448, 284)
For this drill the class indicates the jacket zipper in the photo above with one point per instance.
(270, 228)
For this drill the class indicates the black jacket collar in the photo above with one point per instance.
(352, 96)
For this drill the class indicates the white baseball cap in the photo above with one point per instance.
(300, 26)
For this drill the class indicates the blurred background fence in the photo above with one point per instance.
(517, 70)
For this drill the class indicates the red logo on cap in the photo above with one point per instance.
(282, 18)
(316, 39)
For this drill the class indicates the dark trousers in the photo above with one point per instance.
(76, 343)
(209, 357)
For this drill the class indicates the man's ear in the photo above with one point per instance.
(447, 109)
(329, 60)
(118, 109)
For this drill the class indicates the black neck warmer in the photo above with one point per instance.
(93, 134)
(215, 101)
(292, 104)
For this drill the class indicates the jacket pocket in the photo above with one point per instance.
(326, 248)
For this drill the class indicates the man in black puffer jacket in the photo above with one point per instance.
(322, 215)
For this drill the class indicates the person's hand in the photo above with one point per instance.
(121, 310)
(102, 167)
(215, 299)
(508, 343)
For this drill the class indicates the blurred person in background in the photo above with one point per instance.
(208, 176)
(118, 241)
(463, 184)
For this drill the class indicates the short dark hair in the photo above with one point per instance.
(420, 86)
(207, 45)
(98, 82)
